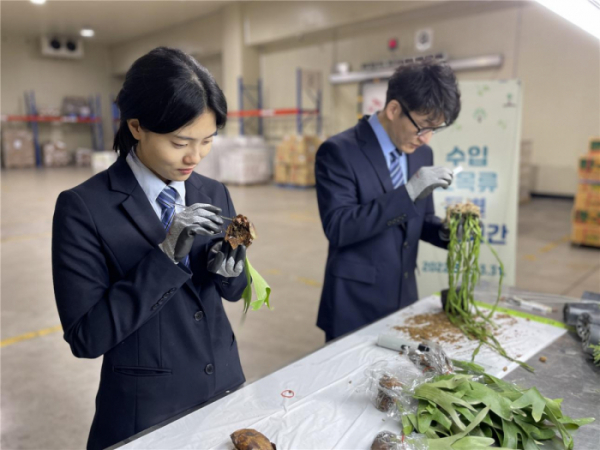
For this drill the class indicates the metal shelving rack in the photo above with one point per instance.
(254, 93)
(34, 119)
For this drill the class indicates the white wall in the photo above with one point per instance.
(560, 68)
(201, 37)
(23, 68)
(558, 64)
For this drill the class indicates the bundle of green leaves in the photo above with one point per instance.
(471, 412)
(463, 276)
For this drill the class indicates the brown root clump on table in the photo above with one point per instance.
(387, 385)
(240, 232)
(248, 439)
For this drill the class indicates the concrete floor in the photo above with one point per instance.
(47, 396)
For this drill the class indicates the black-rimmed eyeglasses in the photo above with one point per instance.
(423, 131)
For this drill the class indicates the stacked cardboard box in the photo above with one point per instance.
(586, 213)
(18, 150)
(295, 160)
(55, 154)
(83, 157)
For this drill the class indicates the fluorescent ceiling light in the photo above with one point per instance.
(38, 2)
(87, 32)
(583, 13)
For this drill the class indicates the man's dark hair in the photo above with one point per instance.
(428, 88)
(165, 90)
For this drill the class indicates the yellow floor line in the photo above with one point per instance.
(28, 336)
(309, 282)
(26, 237)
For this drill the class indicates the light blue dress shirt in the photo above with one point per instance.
(151, 184)
(387, 146)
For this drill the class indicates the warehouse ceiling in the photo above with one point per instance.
(113, 21)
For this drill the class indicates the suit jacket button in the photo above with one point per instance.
(209, 369)
(199, 316)
(154, 307)
(405, 274)
(171, 291)
(405, 245)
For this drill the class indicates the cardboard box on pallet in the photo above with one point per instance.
(297, 150)
(283, 153)
(55, 154)
(585, 234)
(18, 150)
(589, 216)
(588, 195)
(302, 175)
(589, 167)
(282, 173)
(594, 146)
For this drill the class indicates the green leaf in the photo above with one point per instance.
(442, 419)
(566, 436)
(473, 443)
(466, 413)
(247, 294)
(407, 426)
(574, 424)
(533, 398)
(424, 417)
(261, 287)
(511, 434)
(444, 399)
(470, 367)
(447, 442)
(450, 382)
(498, 404)
(536, 431)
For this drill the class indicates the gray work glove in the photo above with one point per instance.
(225, 261)
(197, 219)
(427, 179)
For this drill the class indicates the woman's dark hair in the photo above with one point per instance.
(165, 90)
(428, 88)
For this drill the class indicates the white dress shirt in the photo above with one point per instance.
(151, 184)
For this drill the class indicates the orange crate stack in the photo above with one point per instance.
(295, 161)
(586, 213)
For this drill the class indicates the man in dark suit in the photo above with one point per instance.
(374, 185)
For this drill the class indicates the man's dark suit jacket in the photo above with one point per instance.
(372, 228)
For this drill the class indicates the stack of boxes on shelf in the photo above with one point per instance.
(18, 150)
(55, 154)
(295, 161)
(586, 213)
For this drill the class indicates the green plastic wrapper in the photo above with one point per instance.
(261, 288)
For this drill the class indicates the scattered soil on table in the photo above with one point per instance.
(510, 320)
(543, 359)
(437, 328)
(431, 327)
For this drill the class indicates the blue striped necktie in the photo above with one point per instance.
(167, 200)
(395, 169)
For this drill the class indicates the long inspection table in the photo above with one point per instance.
(319, 402)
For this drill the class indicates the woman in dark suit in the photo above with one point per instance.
(139, 263)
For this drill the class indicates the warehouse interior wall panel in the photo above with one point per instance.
(24, 69)
(201, 36)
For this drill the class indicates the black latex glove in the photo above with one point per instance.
(225, 261)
